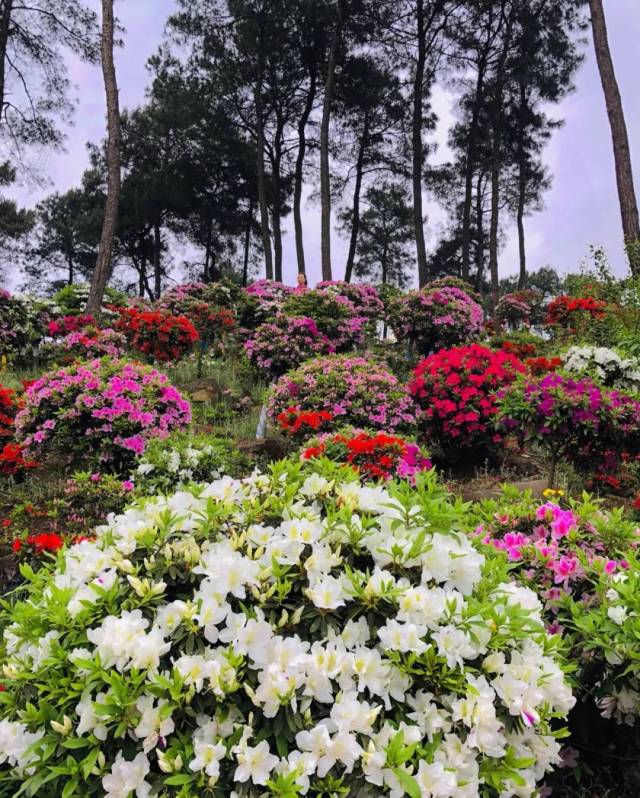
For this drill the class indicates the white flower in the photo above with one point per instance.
(436, 782)
(208, 756)
(152, 727)
(618, 614)
(328, 593)
(127, 777)
(403, 637)
(255, 763)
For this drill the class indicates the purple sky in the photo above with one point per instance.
(581, 208)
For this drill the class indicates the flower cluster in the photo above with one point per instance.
(605, 365)
(519, 308)
(184, 458)
(280, 345)
(43, 542)
(364, 298)
(435, 318)
(566, 311)
(456, 392)
(13, 461)
(22, 326)
(521, 349)
(374, 455)
(282, 634)
(179, 299)
(64, 325)
(269, 297)
(334, 315)
(543, 365)
(297, 423)
(9, 406)
(356, 391)
(570, 418)
(158, 334)
(100, 411)
(86, 344)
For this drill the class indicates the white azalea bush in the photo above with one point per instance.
(604, 364)
(285, 634)
(184, 458)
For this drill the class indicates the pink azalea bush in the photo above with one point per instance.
(335, 316)
(86, 344)
(433, 318)
(101, 412)
(356, 391)
(572, 419)
(268, 297)
(283, 344)
(365, 298)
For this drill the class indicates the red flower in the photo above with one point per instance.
(16, 545)
(45, 542)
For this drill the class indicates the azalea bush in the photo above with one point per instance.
(22, 326)
(334, 315)
(605, 365)
(282, 344)
(158, 335)
(433, 318)
(574, 314)
(365, 298)
(43, 523)
(183, 458)
(61, 326)
(574, 419)
(520, 309)
(9, 406)
(220, 294)
(279, 635)
(456, 392)
(355, 390)
(267, 298)
(100, 412)
(86, 344)
(299, 424)
(375, 455)
(71, 300)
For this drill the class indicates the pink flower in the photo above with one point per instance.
(127, 485)
(135, 444)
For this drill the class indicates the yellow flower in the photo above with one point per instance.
(549, 492)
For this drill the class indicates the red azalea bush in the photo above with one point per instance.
(543, 365)
(8, 408)
(64, 325)
(455, 390)
(519, 349)
(158, 334)
(299, 424)
(376, 455)
(13, 462)
(566, 311)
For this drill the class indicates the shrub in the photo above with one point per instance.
(9, 406)
(221, 294)
(72, 299)
(45, 523)
(543, 365)
(103, 411)
(436, 318)
(13, 462)
(605, 365)
(273, 634)
(520, 308)
(375, 455)
(62, 326)
(299, 424)
(21, 328)
(574, 312)
(455, 390)
(569, 418)
(268, 297)
(157, 334)
(283, 344)
(334, 315)
(354, 390)
(183, 458)
(365, 298)
(86, 344)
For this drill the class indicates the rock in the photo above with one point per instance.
(479, 493)
(204, 390)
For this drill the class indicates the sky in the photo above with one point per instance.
(581, 209)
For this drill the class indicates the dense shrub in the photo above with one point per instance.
(183, 458)
(9, 406)
(298, 424)
(158, 335)
(333, 314)
(375, 455)
(220, 294)
(22, 326)
(268, 297)
(435, 318)
(274, 634)
(354, 390)
(72, 299)
(572, 419)
(606, 365)
(102, 411)
(520, 309)
(278, 346)
(365, 298)
(574, 312)
(455, 390)
(86, 344)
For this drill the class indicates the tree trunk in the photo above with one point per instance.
(5, 22)
(325, 177)
(621, 152)
(480, 236)
(355, 217)
(69, 270)
(299, 171)
(522, 191)
(469, 170)
(495, 217)
(207, 252)
(416, 140)
(260, 176)
(157, 261)
(277, 202)
(247, 243)
(102, 271)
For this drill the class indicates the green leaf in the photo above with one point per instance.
(409, 784)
